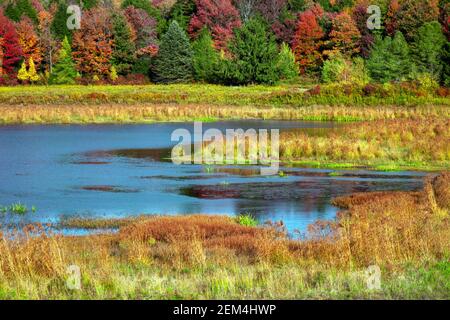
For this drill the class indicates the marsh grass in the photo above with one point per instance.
(383, 144)
(150, 103)
(407, 234)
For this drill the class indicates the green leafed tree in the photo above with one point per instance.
(64, 71)
(286, 65)
(124, 52)
(205, 57)
(428, 49)
(255, 54)
(446, 64)
(174, 60)
(59, 23)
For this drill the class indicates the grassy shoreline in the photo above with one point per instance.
(405, 234)
(153, 103)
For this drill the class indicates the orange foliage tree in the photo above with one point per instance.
(92, 44)
(29, 41)
(344, 36)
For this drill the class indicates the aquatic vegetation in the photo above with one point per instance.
(406, 234)
(16, 208)
(246, 220)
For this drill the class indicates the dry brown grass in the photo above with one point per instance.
(148, 112)
(387, 229)
(407, 141)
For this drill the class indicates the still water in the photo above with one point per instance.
(120, 170)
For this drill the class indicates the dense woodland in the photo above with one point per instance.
(231, 42)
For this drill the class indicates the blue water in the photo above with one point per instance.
(63, 170)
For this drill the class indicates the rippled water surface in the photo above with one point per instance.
(122, 170)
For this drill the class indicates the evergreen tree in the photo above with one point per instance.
(174, 60)
(428, 49)
(64, 71)
(401, 64)
(205, 57)
(287, 67)
(59, 23)
(123, 56)
(15, 10)
(182, 11)
(390, 59)
(255, 54)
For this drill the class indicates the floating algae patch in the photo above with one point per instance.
(304, 190)
(109, 189)
(161, 154)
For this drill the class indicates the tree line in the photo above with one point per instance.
(232, 42)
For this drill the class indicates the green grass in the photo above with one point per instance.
(246, 220)
(16, 208)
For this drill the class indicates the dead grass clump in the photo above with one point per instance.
(441, 187)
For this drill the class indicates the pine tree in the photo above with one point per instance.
(64, 70)
(428, 49)
(123, 56)
(287, 67)
(390, 59)
(400, 65)
(205, 57)
(174, 60)
(379, 56)
(32, 74)
(59, 23)
(255, 54)
(22, 75)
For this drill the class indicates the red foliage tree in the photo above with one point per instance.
(92, 44)
(308, 40)
(219, 16)
(344, 36)
(408, 15)
(12, 53)
(360, 16)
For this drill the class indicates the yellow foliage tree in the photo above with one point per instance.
(32, 74)
(22, 75)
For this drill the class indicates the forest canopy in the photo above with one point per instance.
(231, 42)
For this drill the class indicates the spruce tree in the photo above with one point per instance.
(390, 59)
(205, 57)
(123, 56)
(59, 23)
(400, 64)
(174, 60)
(64, 70)
(428, 49)
(379, 58)
(255, 54)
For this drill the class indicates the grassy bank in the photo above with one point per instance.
(383, 144)
(406, 234)
(131, 104)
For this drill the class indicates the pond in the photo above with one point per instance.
(106, 171)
